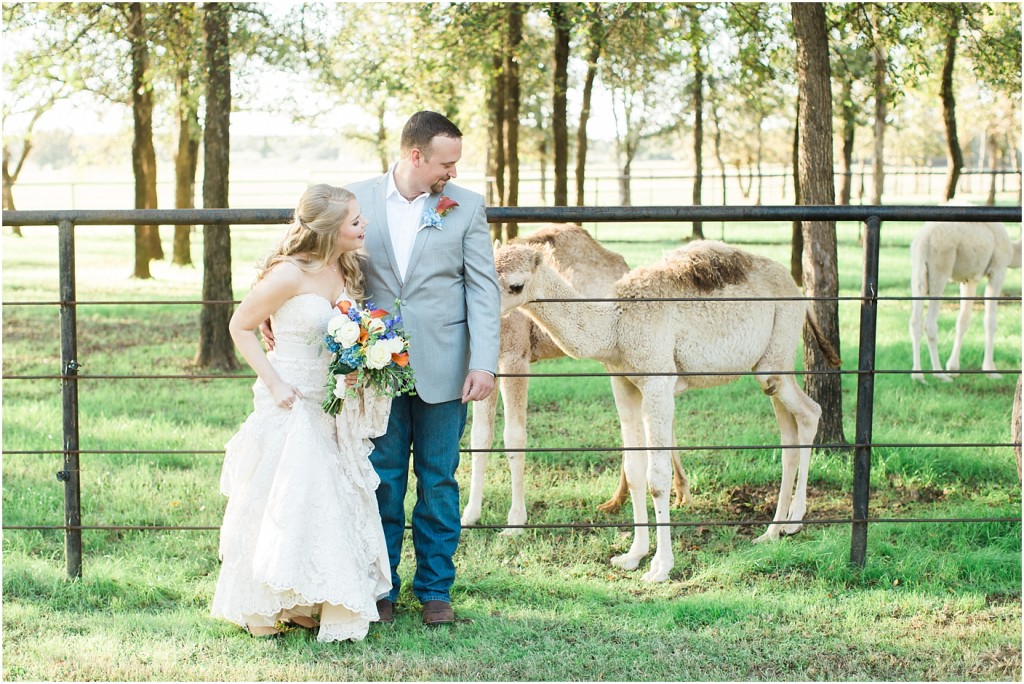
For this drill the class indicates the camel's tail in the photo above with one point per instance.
(831, 355)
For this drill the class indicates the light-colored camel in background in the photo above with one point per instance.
(669, 337)
(592, 271)
(964, 252)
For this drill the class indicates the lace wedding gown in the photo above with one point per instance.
(302, 532)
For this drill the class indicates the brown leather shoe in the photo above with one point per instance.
(386, 609)
(438, 613)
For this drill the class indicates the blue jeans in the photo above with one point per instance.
(433, 432)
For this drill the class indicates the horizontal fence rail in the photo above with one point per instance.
(638, 214)
(871, 215)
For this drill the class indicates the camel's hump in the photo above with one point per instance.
(702, 265)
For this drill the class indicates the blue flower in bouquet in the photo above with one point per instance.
(370, 341)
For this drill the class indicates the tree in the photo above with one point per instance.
(34, 83)
(851, 63)
(820, 270)
(183, 31)
(513, 95)
(758, 83)
(147, 238)
(642, 69)
(559, 125)
(216, 349)
(696, 38)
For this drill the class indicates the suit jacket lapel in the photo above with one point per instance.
(379, 221)
(421, 237)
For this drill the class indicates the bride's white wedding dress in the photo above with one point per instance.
(302, 532)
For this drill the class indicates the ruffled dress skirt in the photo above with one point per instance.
(302, 532)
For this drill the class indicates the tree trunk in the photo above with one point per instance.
(993, 165)
(718, 141)
(215, 346)
(147, 238)
(625, 180)
(821, 278)
(381, 143)
(698, 143)
(760, 155)
(559, 123)
(878, 171)
(849, 116)
(796, 252)
(595, 33)
(496, 142)
(954, 156)
(9, 179)
(185, 162)
(513, 86)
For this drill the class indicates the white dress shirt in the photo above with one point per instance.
(405, 219)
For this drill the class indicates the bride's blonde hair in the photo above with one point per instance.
(310, 238)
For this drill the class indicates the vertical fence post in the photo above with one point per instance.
(865, 394)
(69, 394)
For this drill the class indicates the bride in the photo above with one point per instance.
(302, 541)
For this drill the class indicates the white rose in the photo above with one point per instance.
(346, 333)
(339, 386)
(379, 355)
(395, 344)
(376, 326)
(335, 323)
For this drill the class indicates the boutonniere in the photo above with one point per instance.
(432, 216)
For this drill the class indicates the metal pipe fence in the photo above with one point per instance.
(872, 216)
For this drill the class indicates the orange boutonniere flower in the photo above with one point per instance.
(445, 205)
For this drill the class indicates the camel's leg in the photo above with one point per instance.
(613, 504)
(936, 284)
(798, 416)
(993, 289)
(659, 412)
(680, 483)
(967, 289)
(481, 436)
(916, 320)
(634, 465)
(513, 399)
(631, 429)
(931, 333)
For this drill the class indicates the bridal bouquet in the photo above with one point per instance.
(366, 339)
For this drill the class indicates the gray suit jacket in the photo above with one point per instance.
(449, 301)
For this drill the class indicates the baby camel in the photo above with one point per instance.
(592, 270)
(669, 337)
(964, 252)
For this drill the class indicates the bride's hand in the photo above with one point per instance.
(268, 334)
(351, 378)
(285, 395)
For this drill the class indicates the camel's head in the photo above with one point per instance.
(516, 265)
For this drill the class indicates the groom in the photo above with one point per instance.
(438, 263)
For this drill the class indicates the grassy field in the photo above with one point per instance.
(935, 601)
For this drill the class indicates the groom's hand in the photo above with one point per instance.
(479, 385)
(268, 335)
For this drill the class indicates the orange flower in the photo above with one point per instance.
(445, 205)
(401, 359)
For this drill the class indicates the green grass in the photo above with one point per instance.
(934, 602)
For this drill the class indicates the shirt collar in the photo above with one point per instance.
(392, 189)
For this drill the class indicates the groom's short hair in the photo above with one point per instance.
(422, 127)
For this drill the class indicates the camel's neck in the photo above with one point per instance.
(583, 330)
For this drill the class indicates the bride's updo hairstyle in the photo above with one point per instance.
(310, 238)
